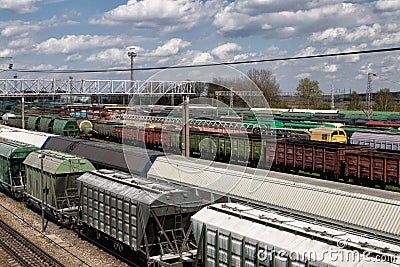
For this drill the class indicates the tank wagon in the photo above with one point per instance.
(12, 154)
(85, 128)
(51, 176)
(238, 235)
(148, 220)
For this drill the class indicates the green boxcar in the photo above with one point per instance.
(12, 154)
(65, 127)
(60, 171)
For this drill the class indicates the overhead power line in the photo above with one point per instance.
(219, 64)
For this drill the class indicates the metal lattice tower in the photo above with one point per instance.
(369, 95)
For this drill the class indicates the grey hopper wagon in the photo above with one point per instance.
(149, 218)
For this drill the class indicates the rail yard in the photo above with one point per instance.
(249, 186)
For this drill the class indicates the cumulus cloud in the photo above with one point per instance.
(19, 6)
(388, 4)
(19, 29)
(74, 43)
(285, 18)
(224, 51)
(109, 56)
(203, 57)
(341, 34)
(171, 47)
(160, 15)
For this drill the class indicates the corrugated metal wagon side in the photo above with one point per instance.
(12, 176)
(57, 187)
(372, 167)
(144, 218)
(325, 158)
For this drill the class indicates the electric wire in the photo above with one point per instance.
(359, 52)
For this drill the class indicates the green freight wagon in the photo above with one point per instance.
(32, 122)
(15, 121)
(46, 124)
(66, 127)
(12, 154)
(60, 171)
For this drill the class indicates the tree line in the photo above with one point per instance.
(308, 94)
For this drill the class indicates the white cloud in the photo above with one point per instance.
(203, 57)
(286, 18)
(388, 5)
(341, 34)
(109, 56)
(74, 43)
(74, 57)
(392, 39)
(224, 51)
(19, 29)
(171, 47)
(20, 6)
(160, 15)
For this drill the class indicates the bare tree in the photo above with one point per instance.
(266, 82)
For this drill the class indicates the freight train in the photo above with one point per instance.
(327, 160)
(137, 217)
(52, 124)
(144, 220)
(111, 130)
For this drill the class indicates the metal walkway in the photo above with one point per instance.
(34, 87)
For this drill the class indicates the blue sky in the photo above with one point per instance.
(96, 34)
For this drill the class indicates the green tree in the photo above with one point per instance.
(309, 94)
(384, 100)
(355, 102)
(266, 82)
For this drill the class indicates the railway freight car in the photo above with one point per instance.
(51, 177)
(125, 158)
(29, 137)
(146, 221)
(327, 159)
(377, 139)
(47, 124)
(373, 167)
(237, 235)
(105, 129)
(12, 177)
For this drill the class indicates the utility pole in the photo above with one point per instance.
(131, 54)
(332, 98)
(185, 127)
(369, 95)
(44, 190)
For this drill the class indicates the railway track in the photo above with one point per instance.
(24, 251)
